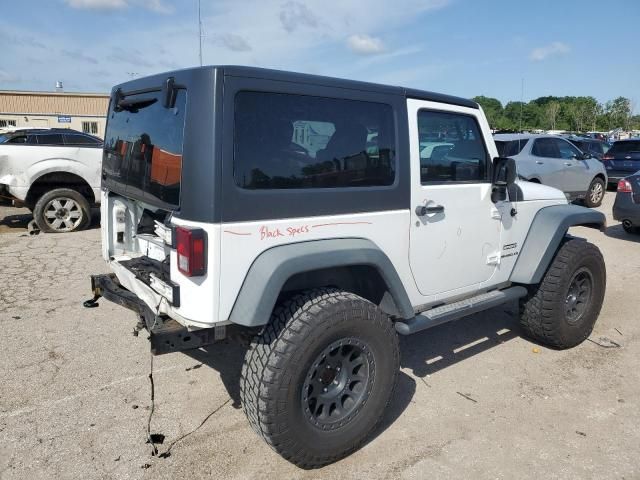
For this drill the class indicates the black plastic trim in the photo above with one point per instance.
(272, 268)
(546, 232)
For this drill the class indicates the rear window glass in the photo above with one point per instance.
(510, 148)
(624, 147)
(298, 141)
(143, 148)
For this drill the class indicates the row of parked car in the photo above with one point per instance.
(56, 172)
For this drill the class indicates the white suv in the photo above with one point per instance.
(53, 172)
(322, 218)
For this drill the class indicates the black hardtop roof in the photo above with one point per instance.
(281, 75)
(255, 72)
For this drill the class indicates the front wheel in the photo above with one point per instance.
(62, 210)
(595, 194)
(563, 308)
(317, 380)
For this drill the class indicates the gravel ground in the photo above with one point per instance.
(475, 399)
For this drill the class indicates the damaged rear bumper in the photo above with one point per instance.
(166, 335)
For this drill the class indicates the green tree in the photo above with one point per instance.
(492, 109)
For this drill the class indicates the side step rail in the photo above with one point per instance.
(454, 311)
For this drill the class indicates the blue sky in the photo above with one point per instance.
(460, 47)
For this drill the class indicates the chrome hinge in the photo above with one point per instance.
(494, 259)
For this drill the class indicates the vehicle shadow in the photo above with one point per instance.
(18, 221)
(227, 358)
(616, 231)
(435, 349)
(424, 353)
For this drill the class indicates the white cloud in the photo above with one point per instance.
(295, 14)
(555, 48)
(157, 6)
(97, 4)
(233, 42)
(365, 45)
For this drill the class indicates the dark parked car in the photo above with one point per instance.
(595, 147)
(622, 160)
(627, 205)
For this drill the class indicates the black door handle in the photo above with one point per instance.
(422, 210)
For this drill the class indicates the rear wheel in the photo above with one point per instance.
(317, 380)
(62, 210)
(595, 194)
(563, 309)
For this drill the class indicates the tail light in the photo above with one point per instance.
(607, 156)
(624, 186)
(190, 246)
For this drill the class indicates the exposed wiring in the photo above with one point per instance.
(167, 452)
(154, 449)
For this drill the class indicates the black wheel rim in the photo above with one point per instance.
(578, 295)
(338, 383)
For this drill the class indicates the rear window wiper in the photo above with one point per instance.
(168, 93)
(134, 105)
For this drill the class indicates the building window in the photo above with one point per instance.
(90, 127)
(7, 123)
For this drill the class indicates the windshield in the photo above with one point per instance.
(143, 148)
(4, 137)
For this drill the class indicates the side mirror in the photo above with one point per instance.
(586, 156)
(504, 176)
(504, 172)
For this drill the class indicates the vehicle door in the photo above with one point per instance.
(577, 174)
(548, 163)
(455, 227)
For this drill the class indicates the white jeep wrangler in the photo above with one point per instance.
(55, 172)
(325, 217)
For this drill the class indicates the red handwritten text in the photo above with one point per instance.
(265, 232)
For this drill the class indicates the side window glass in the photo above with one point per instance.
(20, 139)
(50, 139)
(73, 139)
(545, 147)
(451, 148)
(298, 141)
(567, 151)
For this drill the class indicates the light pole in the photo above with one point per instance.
(200, 32)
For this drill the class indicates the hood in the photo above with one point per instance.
(536, 191)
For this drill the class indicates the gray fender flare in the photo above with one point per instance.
(273, 267)
(545, 234)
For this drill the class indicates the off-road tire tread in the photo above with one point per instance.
(539, 311)
(290, 325)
